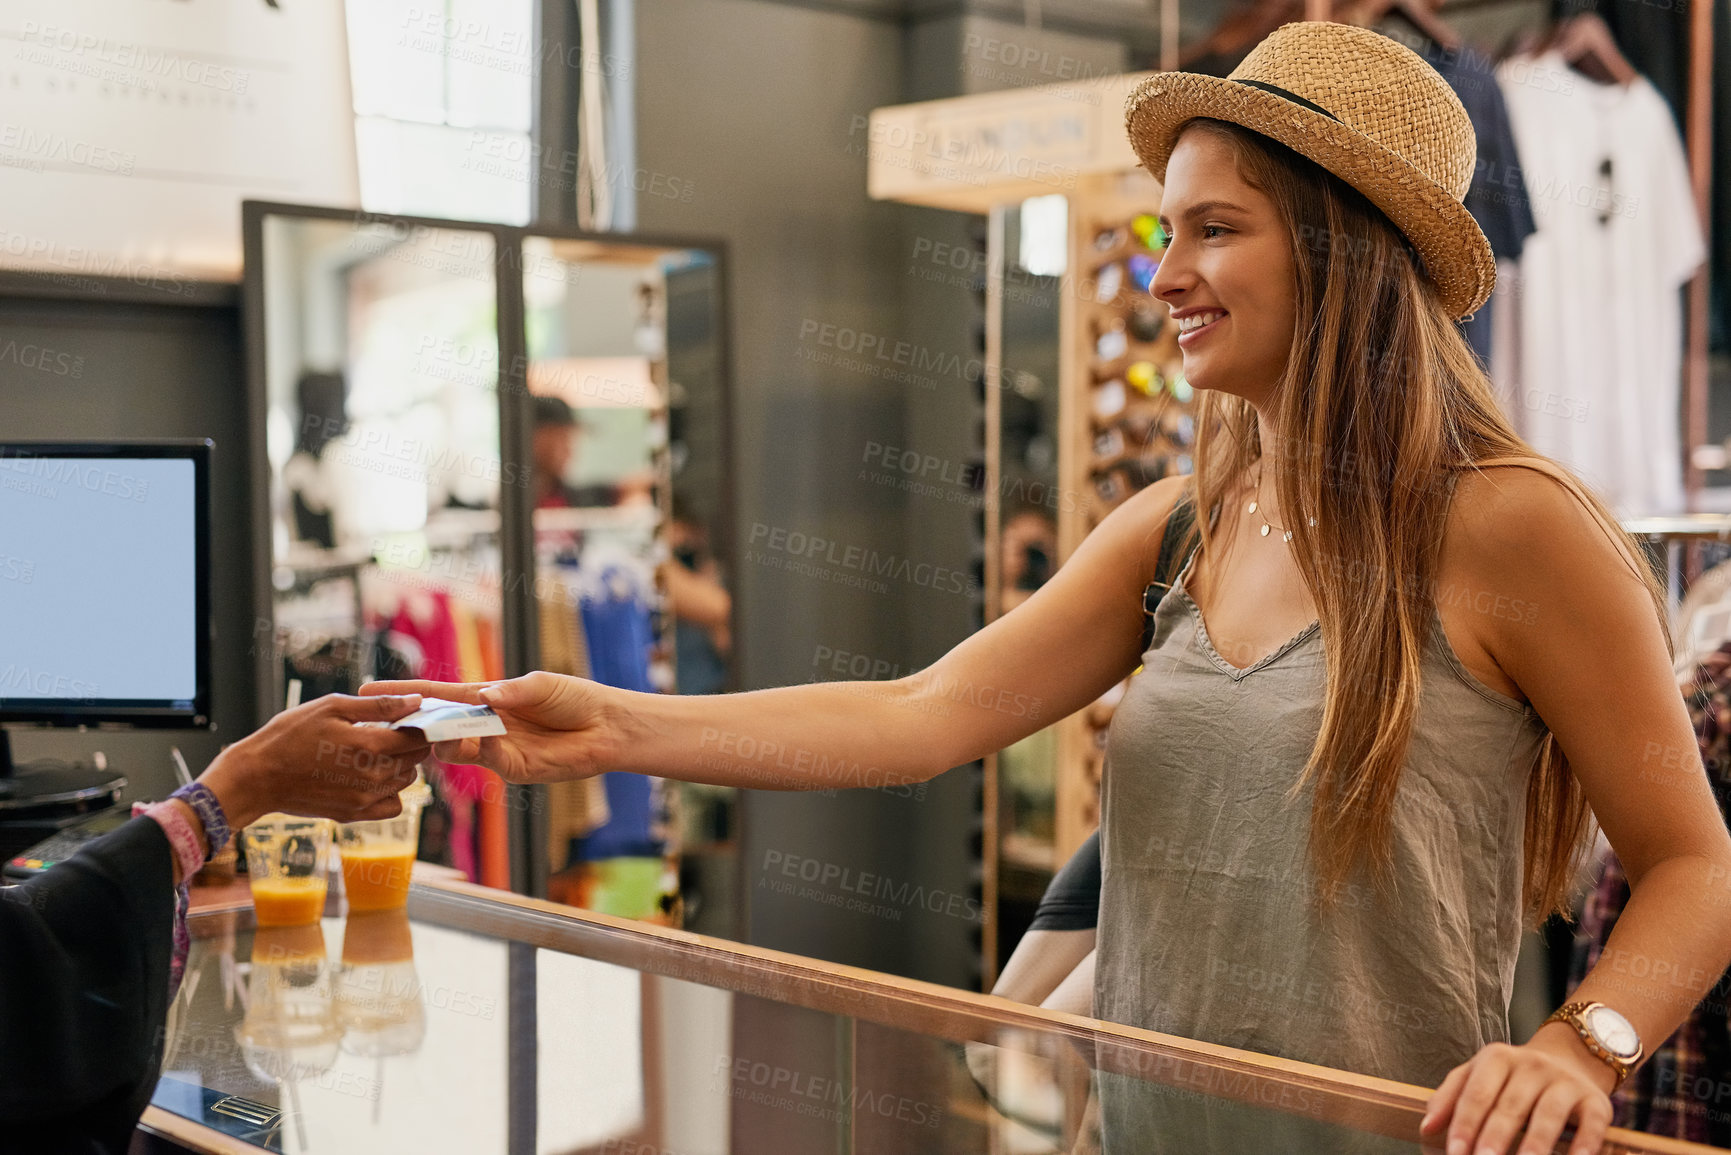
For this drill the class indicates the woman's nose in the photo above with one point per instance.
(1173, 277)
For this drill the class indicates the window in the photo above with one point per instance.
(442, 94)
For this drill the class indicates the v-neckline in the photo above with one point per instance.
(1181, 585)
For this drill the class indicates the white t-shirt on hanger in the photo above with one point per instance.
(1601, 343)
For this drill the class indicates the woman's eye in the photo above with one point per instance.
(1213, 230)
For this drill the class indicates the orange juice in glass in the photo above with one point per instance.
(285, 858)
(378, 856)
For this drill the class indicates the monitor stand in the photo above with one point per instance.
(49, 787)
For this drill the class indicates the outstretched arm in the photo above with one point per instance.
(1061, 649)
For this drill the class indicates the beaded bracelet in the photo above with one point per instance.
(198, 796)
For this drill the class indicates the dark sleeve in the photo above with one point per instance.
(1497, 196)
(84, 958)
(1072, 901)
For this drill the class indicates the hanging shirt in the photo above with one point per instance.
(1655, 37)
(1497, 196)
(1599, 373)
(616, 591)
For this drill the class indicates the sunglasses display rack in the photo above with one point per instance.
(1137, 421)
(1140, 408)
(1125, 416)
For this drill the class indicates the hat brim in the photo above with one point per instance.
(1457, 257)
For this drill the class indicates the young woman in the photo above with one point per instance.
(1405, 661)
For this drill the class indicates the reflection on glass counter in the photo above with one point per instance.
(485, 1025)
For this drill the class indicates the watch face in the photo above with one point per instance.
(1613, 1032)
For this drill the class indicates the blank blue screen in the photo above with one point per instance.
(98, 572)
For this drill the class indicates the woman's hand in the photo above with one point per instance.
(557, 727)
(315, 760)
(1540, 1086)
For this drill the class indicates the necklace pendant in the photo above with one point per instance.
(1264, 531)
(1251, 508)
(1289, 535)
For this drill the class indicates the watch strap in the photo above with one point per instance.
(1575, 1014)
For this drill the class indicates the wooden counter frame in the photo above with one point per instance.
(1362, 1102)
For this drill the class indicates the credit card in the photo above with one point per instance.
(443, 721)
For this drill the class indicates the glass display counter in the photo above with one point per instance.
(480, 1022)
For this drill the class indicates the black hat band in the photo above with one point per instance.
(1292, 96)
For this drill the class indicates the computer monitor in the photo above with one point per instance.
(104, 584)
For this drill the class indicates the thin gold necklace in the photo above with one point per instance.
(1286, 534)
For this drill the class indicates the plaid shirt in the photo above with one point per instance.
(1683, 1090)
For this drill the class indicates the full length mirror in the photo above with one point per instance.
(488, 450)
(624, 361)
(381, 436)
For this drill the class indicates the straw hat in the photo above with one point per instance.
(1364, 107)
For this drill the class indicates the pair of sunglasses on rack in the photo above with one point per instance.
(1145, 378)
(1112, 397)
(1117, 482)
(1109, 280)
(1137, 435)
(1143, 323)
(1145, 227)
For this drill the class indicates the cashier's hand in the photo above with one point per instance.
(315, 760)
(1541, 1086)
(557, 726)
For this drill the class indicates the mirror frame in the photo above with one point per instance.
(519, 624)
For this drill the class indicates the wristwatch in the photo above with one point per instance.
(1610, 1036)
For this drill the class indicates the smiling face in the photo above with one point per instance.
(1227, 273)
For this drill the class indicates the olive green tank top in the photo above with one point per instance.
(1205, 926)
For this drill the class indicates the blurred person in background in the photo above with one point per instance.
(1030, 550)
(552, 450)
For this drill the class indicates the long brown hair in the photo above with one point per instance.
(1382, 404)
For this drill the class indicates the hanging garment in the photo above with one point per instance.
(617, 600)
(471, 664)
(616, 595)
(1676, 1091)
(1655, 37)
(426, 619)
(480, 662)
(574, 809)
(563, 650)
(1601, 317)
(633, 805)
(492, 649)
(1497, 197)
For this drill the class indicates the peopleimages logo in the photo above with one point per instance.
(143, 59)
(89, 475)
(43, 684)
(42, 358)
(773, 1085)
(845, 880)
(869, 562)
